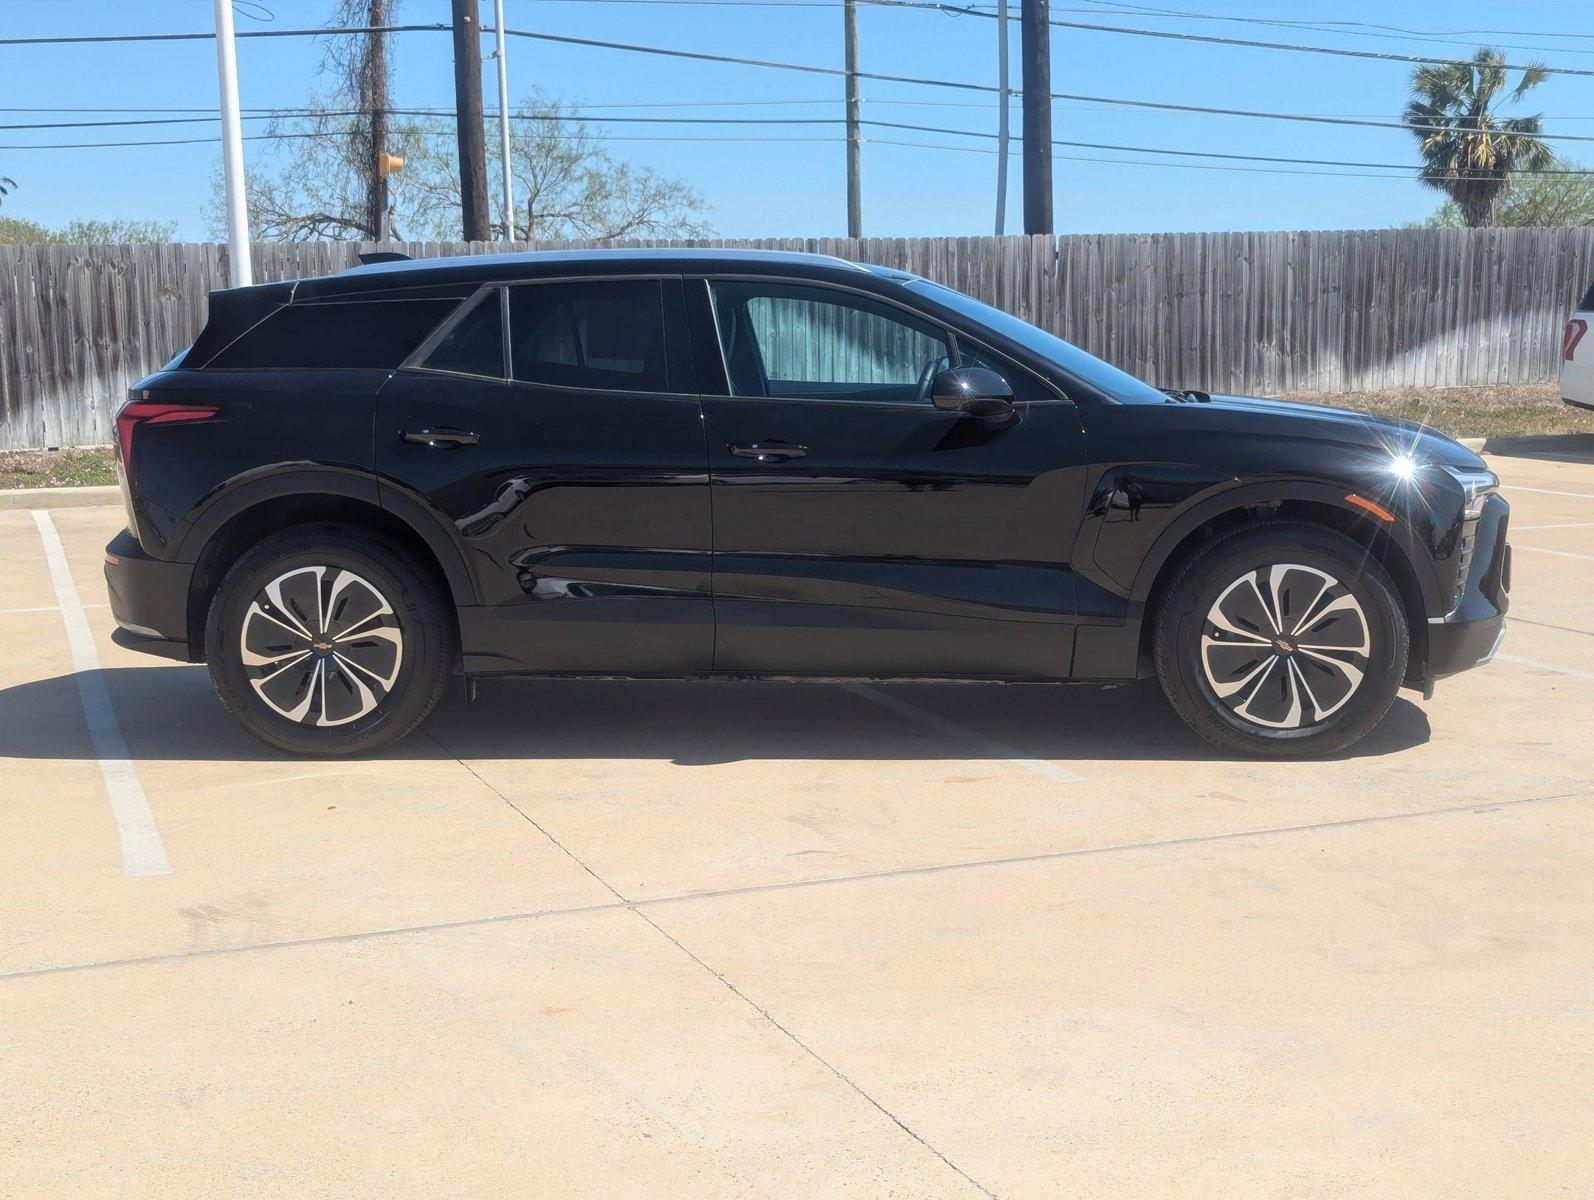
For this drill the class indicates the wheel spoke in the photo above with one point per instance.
(1275, 685)
(1262, 600)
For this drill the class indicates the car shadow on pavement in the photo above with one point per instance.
(171, 713)
(1550, 447)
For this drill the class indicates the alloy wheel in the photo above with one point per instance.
(321, 646)
(1285, 646)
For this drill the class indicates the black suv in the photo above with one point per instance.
(710, 463)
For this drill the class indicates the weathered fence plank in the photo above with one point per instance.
(1244, 312)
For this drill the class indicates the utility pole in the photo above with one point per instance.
(503, 121)
(232, 149)
(1001, 116)
(1036, 49)
(374, 99)
(468, 108)
(854, 165)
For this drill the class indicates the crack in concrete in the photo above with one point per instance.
(725, 980)
(1479, 807)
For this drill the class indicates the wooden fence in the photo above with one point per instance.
(1244, 312)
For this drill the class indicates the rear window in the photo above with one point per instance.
(377, 334)
(606, 334)
(475, 346)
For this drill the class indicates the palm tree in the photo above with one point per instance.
(1469, 151)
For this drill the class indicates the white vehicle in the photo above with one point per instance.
(1577, 349)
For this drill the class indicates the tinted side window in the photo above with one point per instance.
(475, 346)
(603, 334)
(792, 340)
(375, 334)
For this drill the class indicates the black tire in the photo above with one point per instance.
(1278, 698)
(380, 672)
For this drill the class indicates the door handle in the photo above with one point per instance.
(770, 452)
(440, 437)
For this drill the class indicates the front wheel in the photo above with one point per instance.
(323, 640)
(1284, 641)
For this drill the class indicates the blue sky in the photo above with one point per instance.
(795, 187)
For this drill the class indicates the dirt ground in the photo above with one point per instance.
(1505, 411)
(92, 467)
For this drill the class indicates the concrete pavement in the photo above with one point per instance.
(736, 939)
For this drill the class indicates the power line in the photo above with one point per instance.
(1260, 158)
(807, 69)
(577, 113)
(1362, 29)
(1280, 160)
(920, 5)
(1214, 39)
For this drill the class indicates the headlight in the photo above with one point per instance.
(1478, 486)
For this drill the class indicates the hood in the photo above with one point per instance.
(1355, 428)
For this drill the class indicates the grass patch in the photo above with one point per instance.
(1517, 411)
(57, 468)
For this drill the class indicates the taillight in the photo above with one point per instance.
(136, 413)
(1576, 331)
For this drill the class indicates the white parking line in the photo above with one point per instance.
(142, 850)
(1557, 553)
(1517, 487)
(1544, 666)
(1046, 770)
(1570, 525)
(12, 612)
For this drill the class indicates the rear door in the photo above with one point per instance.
(555, 425)
(857, 528)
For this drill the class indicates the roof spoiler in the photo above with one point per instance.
(382, 256)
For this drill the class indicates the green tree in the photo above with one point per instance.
(567, 185)
(18, 231)
(6, 184)
(1469, 151)
(115, 231)
(1534, 201)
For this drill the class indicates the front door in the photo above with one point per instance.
(857, 528)
(569, 458)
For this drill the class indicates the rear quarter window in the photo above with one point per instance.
(372, 334)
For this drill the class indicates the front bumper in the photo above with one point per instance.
(1471, 633)
(149, 599)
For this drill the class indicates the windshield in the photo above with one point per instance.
(1104, 377)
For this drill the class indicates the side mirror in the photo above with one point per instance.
(978, 391)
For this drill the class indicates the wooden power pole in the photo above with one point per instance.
(374, 99)
(468, 106)
(854, 165)
(1036, 51)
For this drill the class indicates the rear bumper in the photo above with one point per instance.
(149, 599)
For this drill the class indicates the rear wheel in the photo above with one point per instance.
(1282, 641)
(324, 640)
